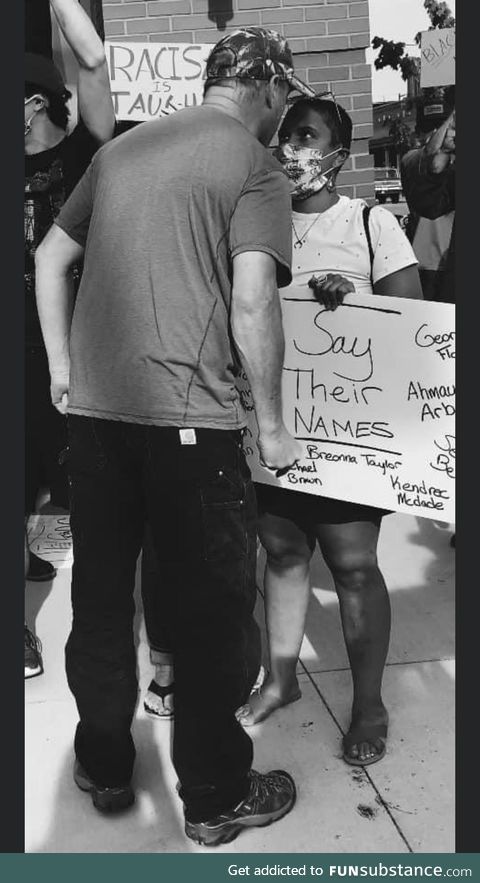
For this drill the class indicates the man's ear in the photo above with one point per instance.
(40, 101)
(269, 92)
(272, 90)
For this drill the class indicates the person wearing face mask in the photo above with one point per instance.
(54, 161)
(428, 180)
(337, 249)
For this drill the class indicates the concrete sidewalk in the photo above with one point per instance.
(404, 803)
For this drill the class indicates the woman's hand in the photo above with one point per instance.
(330, 289)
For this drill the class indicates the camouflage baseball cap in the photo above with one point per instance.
(254, 54)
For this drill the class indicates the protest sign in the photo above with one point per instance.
(151, 80)
(369, 392)
(49, 536)
(437, 66)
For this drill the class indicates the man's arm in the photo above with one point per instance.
(94, 97)
(54, 258)
(257, 330)
(427, 176)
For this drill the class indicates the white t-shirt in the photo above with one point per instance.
(336, 243)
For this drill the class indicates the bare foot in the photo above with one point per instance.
(262, 703)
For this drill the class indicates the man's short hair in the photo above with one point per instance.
(250, 88)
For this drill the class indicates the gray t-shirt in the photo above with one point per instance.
(161, 212)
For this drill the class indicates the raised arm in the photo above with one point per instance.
(94, 96)
(258, 334)
(54, 258)
(428, 178)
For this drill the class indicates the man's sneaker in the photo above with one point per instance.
(39, 570)
(271, 796)
(105, 799)
(33, 657)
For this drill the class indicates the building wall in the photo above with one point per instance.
(328, 39)
(385, 113)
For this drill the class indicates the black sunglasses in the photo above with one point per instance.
(327, 96)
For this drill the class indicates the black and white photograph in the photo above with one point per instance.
(239, 379)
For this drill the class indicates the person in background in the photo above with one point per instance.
(430, 238)
(339, 247)
(174, 296)
(159, 698)
(55, 159)
(428, 180)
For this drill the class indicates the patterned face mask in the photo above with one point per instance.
(303, 166)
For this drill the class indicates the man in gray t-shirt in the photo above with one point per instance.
(184, 228)
(164, 266)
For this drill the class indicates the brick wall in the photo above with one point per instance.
(328, 39)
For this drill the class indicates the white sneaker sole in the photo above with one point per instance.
(33, 672)
(228, 831)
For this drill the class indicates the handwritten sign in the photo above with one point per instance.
(369, 392)
(437, 57)
(150, 80)
(49, 536)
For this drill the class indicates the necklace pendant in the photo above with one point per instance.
(298, 243)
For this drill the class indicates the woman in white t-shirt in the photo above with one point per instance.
(332, 255)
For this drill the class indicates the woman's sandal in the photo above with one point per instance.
(154, 702)
(370, 733)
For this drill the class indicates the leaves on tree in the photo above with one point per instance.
(393, 54)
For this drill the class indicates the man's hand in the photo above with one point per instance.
(59, 385)
(439, 151)
(330, 289)
(279, 450)
(54, 257)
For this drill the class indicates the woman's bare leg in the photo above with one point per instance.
(287, 593)
(350, 551)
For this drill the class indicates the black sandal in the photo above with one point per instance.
(370, 733)
(152, 706)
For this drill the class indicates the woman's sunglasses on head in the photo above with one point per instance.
(295, 96)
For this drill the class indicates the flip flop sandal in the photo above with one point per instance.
(368, 733)
(154, 703)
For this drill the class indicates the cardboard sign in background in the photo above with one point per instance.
(150, 80)
(369, 391)
(437, 66)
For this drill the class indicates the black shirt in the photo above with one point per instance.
(50, 177)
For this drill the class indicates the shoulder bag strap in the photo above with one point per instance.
(366, 216)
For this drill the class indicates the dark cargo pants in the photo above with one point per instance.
(199, 504)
